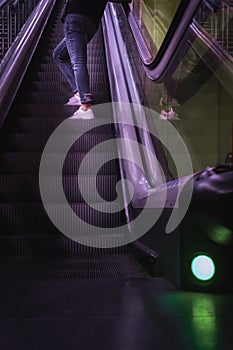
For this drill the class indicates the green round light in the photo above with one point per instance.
(203, 267)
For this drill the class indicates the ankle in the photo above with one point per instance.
(85, 106)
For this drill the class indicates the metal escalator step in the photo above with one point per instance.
(43, 97)
(33, 143)
(59, 110)
(104, 268)
(97, 61)
(55, 97)
(51, 66)
(59, 244)
(32, 219)
(56, 94)
(48, 67)
(47, 124)
(28, 163)
(108, 266)
(94, 55)
(49, 76)
(51, 86)
(49, 81)
(44, 111)
(25, 188)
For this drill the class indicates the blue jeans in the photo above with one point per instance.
(71, 54)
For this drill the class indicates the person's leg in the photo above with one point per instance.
(77, 35)
(62, 59)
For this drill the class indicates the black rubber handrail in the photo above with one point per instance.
(156, 67)
(124, 90)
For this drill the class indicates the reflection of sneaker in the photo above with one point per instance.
(73, 101)
(171, 115)
(81, 114)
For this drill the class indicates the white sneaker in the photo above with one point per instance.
(171, 115)
(81, 114)
(74, 101)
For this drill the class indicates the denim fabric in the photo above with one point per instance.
(71, 54)
(62, 59)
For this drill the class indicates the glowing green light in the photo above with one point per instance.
(203, 267)
(221, 234)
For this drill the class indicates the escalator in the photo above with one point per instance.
(58, 293)
(38, 109)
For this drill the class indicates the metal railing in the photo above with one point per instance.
(13, 15)
(216, 17)
(19, 55)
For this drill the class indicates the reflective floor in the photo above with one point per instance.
(44, 307)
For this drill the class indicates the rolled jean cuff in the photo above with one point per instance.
(86, 98)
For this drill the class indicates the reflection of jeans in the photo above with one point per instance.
(71, 54)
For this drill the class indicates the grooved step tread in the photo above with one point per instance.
(31, 142)
(50, 110)
(38, 111)
(59, 244)
(114, 266)
(32, 219)
(48, 125)
(28, 163)
(25, 188)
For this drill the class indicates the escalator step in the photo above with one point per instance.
(31, 142)
(28, 163)
(52, 86)
(26, 245)
(54, 97)
(49, 76)
(50, 65)
(114, 266)
(42, 97)
(59, 110)
(38, 110)
(32, 219)
(25, 188)
(47, 125)
(63, 88)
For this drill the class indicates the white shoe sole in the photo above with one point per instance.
(73, 101)
(81, 117)
(72, 104)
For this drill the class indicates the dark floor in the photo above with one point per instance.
(59, 303)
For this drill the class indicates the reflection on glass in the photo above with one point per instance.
(198, 97)
(154, 18)
(216, 20)
(203, 99)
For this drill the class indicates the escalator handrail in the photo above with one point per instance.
(156, 69)
(20, 54)
(120, 93)
(125, 89)
(152, 167)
